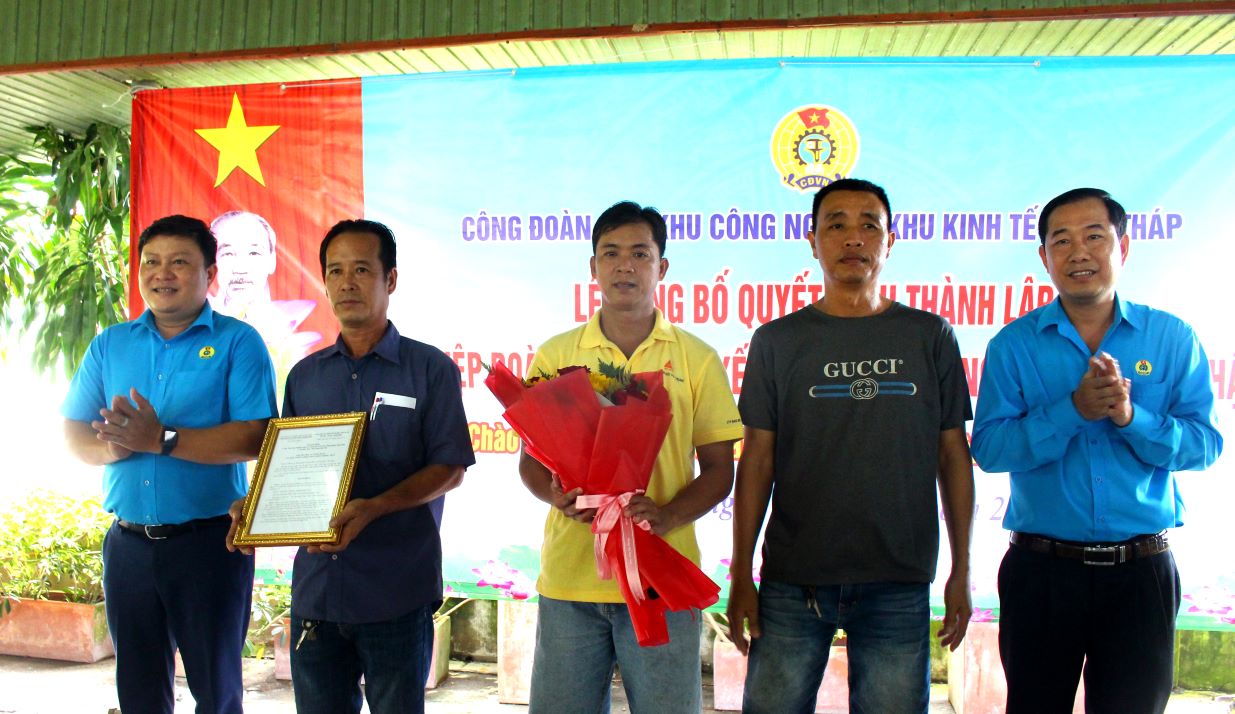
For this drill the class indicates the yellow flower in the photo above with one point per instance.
(602, 384)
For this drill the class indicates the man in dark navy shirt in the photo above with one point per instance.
(365, 606)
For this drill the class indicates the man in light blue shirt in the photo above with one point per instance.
(1090, 403)
(172, 404)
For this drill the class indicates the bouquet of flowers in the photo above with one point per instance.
(600, 432)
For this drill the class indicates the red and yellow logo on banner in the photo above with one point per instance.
(812, 146)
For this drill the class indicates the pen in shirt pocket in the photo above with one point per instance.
(390, 400)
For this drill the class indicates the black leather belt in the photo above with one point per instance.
(1094, 553)
(168, 530)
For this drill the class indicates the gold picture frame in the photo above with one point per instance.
(302, 480)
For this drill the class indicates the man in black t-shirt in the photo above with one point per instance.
(854, 408)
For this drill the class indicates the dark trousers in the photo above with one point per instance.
(393, 656)
(185, 591)
(1057, 615)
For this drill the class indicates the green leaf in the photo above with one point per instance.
(612, 371)
(51, 542)
(66, 256)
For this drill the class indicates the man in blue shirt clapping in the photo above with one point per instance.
(1090, 403)
(172, 404)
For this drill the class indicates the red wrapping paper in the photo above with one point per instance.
(609, 451)
(557, 425)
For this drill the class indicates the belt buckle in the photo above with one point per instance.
(150, 535)
(1113, 550)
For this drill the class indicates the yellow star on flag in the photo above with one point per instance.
(237, 144)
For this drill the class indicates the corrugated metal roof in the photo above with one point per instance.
(73, 97)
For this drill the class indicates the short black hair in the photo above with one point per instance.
(180, 226)
(850, 184)
(624, 213)
(1114, 211)
(386, 251)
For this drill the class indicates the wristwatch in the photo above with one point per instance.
(171, 437)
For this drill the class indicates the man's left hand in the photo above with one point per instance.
(1121, 411)
(958, 608)
(356, 515)
(642, 509)
(135, 428)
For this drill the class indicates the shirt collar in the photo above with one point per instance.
(1128, 312)
(593, 336)
(1053, 314)
(387, 348)
(204, 319)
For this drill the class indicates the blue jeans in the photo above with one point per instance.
(888, 626)
(577, 644)
(393, 656)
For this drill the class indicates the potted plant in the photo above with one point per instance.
(51, 578)
(270, 626)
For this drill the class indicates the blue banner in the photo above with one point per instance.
(491, 180)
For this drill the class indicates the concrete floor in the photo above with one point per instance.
(34, 686)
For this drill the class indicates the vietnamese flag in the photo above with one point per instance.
(290, 153)
(815, 117)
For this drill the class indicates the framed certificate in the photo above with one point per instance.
(303, 479)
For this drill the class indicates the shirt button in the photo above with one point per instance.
(160, 376)
(167, 346)
(1093, 442)
(354, 375)
(335, 556)
(147, 483)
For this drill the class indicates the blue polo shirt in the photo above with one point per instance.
(1092, 481)
(216, 371)
(395, 565)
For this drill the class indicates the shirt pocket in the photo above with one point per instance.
(195, 398)
(394, 437)
(1153, 396)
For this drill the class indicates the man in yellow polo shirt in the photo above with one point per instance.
(584, 625)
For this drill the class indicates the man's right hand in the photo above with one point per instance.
(565, 502)
(236, 512)
(117, 451)
(743, 611)
(1099, 391)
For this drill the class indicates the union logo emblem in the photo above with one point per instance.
(812, 146)
(206, 352)
(1143, 368)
